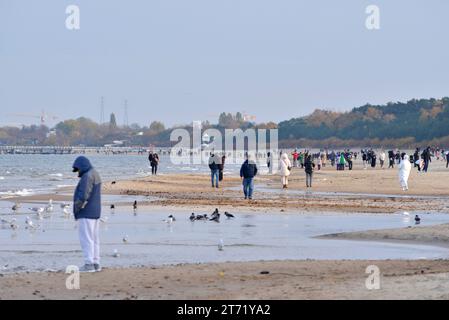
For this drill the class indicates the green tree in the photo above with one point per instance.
(112, 122)
(157, 127)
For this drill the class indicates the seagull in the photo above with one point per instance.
(113, 182)
(125, 239)
(116, 254)
(29, 223)
(13, 226)
(15, 207)
(66, 211)
(201, 217)
(228, 215)
(220, 245)
(13, 220)
(49, 208)
(112, 208)
(215, 218)
(38, 211)
(64, 205)
(417, 219)
(135, 205)
(215, 212)
(405, 213)
(170, 219)
(192, 217)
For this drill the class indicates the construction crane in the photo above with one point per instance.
(43, 117)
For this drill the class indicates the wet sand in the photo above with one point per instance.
(359, 190)
(433, 235)
(286, 280)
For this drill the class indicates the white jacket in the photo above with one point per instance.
(284, 164)
(404, 171)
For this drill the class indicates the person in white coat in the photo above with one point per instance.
(284, 169)
(404, 172)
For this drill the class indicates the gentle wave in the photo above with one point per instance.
(20, 193)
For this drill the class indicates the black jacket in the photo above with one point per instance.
(308, 166)
(248, 170)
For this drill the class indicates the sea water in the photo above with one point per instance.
(151, 241)
(22, 175)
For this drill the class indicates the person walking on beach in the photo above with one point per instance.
(447, 159)
(87, 212)
(214, 166)
(221, 168)
(295, 156)
(404, 172)
(248, 171)
(382, 157)
(269, 162)
(301, 159)
(341, 162)
(285, 168)
(416, 157)
(308, 168)
(391, 157)
(154, 161)
(426, 156)
(348, 158)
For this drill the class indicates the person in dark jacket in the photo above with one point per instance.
(308, 168)
(247, 172)
(221, 168)
(87, 212)
(391, 157)
(154, 162)
(214, 166)
(416, 157)
(447, 159)
(426, 156)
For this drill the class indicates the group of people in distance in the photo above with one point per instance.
(310, 162)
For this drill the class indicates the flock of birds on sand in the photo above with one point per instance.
(39, 214)
(46, 211)
(214, 217)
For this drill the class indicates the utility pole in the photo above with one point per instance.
(102, 110)
(125, 116)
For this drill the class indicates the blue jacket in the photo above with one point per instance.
(248, 170)
(87, 197)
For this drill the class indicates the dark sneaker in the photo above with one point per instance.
(97, 267)
(87, 268)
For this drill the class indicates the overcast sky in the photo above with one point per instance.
(183, 60)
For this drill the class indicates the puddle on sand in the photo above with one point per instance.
(248, 237)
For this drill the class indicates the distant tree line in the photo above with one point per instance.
(416, 122)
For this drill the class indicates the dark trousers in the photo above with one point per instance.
(426, 166)
(350, 165)
(153, 169)
(309, 179)
(391, 163)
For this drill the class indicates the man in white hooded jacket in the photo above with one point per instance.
(404, 172)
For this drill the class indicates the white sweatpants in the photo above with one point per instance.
(88, 230)
(284, 180)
